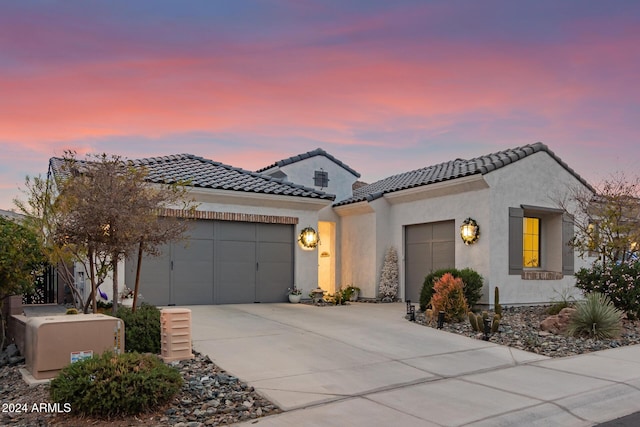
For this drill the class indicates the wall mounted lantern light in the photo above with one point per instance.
(308, 238)
(469, 231)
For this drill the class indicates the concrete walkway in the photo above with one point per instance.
(363, 364)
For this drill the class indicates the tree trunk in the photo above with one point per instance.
(92, 274)
(114, 266)
(137, 286)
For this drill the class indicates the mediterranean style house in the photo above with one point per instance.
(249, 239)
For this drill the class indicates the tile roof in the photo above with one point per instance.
(309, 154)
(204, 173)
(453, 169)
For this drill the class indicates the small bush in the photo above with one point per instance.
(141, 329)
(596, 317)
(620, 282)
(110, 384)
(473, 283)
(448, 296)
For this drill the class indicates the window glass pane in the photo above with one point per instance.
(531, 242)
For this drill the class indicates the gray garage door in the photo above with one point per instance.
(222, 262)
(428, 247)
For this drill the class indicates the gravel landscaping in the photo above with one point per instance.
(520, 328)
(209, 397)
(212, 397)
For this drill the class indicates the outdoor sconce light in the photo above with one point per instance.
(469, 231)
(411, 311)
(308, 238)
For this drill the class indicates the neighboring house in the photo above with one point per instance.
(11, 215)
(243, 246)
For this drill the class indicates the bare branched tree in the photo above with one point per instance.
(104, 210)
(608, 221)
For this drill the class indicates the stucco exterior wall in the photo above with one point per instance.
(458, 207)
(340, 180)
(536, 180)
(358, 253)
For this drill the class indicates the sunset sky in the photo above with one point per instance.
(385, 86)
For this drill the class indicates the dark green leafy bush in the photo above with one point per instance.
(620, 282)
(596, 317)
(110, 384)
(473, 283)
(141, 329)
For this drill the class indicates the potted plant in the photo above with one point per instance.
(126, 297)
(295, 294)
(351, 293)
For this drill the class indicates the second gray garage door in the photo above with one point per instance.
(428, 247)
(222, 262)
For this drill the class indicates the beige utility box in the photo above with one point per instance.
(175, 334)
(53, 342)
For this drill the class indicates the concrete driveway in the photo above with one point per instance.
(365, 364)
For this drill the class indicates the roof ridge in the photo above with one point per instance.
(317, 152)
(453, 169)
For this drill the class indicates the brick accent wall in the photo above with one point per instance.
(228, 216)
(542, 275)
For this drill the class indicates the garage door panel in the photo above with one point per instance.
(236, 251)
(155, 276)
(443, 231)
(236, 231)
(235, 283)
(223, 262)
(428, 247)
(443, 255)
(419, 233)
(273, 281)
(199, 230)
(275, 252)
(279, 233)
(418, 253)
(193, 273)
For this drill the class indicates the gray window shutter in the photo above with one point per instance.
(567, 248)
(515, 240)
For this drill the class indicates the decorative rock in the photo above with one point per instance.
(559, 323)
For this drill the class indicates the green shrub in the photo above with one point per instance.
(473, 283)
(596, 317)
(448, 296)
(111, 384)
(141, 329)
(621, 283)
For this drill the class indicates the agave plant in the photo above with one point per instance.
(596, 317)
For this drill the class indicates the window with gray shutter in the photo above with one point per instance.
(515, 240)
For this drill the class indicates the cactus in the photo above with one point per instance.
(473, 321)
(496, 297)
(496, 323)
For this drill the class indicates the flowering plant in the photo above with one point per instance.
(126, 293)
(294, 291)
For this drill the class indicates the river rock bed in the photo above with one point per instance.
(209, 397)
(520, 328)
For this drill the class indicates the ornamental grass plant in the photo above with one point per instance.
(596, 317)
